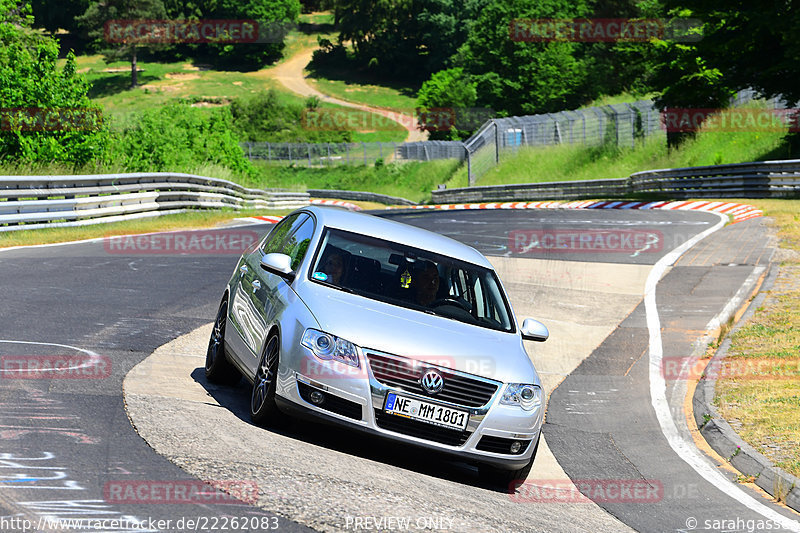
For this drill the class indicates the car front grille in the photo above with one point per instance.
(459, 387)
(421, 430)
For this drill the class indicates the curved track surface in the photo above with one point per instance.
(65, 441)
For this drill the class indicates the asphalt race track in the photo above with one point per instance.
(69, 449)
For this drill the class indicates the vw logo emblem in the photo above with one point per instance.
(431, 381)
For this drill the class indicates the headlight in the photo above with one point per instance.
(529, 397)
(327, 346)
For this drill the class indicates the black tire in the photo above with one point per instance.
(508, 479)
(218, 368)
(263, 410)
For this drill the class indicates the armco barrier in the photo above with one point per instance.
(765, 179)
(29, 202)
(558, 190)
(359, 196)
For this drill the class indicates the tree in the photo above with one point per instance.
(522, 78)
(271, 14)
(753, 44)
(46, 115)
(685, 79)
(403, 38)
(445, 103)
(100, 14)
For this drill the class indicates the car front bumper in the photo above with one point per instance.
(355, 398)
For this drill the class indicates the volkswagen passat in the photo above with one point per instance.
(386, 328)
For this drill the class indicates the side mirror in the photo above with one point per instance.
(533, 330)
(279, 264)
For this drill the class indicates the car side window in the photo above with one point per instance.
(296, 245)
(274, 241)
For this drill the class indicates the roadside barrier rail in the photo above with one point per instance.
(29, 202)
(765, 179)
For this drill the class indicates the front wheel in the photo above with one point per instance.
(218, 368)
(263, 409)
(508, 479)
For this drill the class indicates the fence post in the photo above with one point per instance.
(249, 150)
(364, 146)
(269, 152)
(583, 117)
(470, 179)
(308, 148)
(291, 161)
(496, 142)
(347, 151)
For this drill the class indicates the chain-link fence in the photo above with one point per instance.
(365, 153)
(617, 124)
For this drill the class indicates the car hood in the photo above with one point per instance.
(392, 329)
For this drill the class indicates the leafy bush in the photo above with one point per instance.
(178, 136)
(46, 115)
(263, 117)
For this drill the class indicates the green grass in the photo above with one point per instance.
(622, 98)
(762, 394)
(163, 82)
(568, 162)
(362, 89)
(412, 180)
(189, 220)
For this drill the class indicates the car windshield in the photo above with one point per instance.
(411, 278)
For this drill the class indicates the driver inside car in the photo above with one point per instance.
(425, 283)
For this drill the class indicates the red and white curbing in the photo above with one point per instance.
(738, 212)
(339, 203)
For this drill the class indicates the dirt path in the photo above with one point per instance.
(290, 74)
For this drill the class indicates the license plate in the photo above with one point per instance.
(431, 413)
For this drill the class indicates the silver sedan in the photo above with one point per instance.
(386, 328)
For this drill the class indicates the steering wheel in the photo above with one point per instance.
(451, 301)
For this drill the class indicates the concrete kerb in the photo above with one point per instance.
(724, 440)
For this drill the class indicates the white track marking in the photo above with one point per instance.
(658, 387)
(94, 358)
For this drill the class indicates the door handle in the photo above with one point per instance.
(256, 285)
(243, 269)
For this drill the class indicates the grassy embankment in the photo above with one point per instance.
(759, 393)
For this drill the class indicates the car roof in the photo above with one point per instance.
(353, 221)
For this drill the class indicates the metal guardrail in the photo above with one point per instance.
(766, 179)
(359, 196)
(30, 202)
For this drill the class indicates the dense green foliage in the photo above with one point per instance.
(180, 136)
(263, 117)
(46, 114)
(448, 91)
